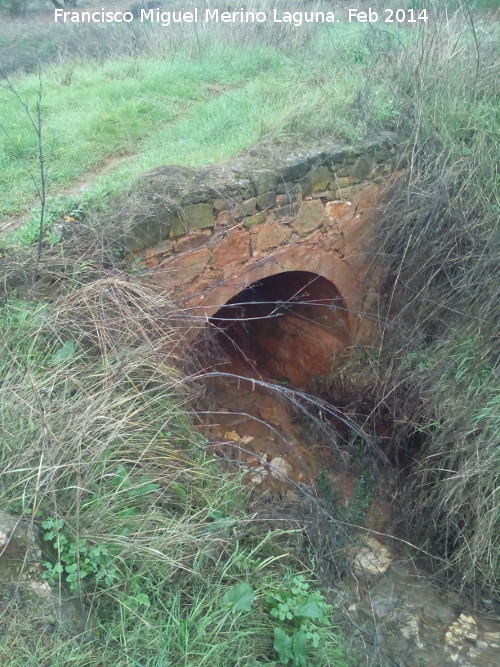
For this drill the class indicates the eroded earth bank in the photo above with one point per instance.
(275, 268)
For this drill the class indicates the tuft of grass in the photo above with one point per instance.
(137, 519)
(436, 371)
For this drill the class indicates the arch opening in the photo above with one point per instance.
(285, 327)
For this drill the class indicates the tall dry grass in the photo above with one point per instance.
(436, 372)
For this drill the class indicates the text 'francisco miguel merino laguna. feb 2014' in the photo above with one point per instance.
(156, 15)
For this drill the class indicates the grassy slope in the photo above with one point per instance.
(184, 109)
(100, 447)
(108, 111)
(436, 377)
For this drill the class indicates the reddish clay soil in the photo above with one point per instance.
(273, 338)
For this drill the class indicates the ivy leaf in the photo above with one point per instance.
(310, 610)
(239, 597)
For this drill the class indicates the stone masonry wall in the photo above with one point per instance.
(206, 235)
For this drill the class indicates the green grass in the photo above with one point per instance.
(95, 427)
(138, 519)
(107, 111)
(188, 110)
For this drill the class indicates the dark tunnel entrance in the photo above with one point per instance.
(285, 327)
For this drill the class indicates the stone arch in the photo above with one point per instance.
(206, 235)
(287, 326)
(297, 258)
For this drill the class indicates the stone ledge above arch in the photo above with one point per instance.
(206, 235)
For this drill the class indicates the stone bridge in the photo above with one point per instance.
(293, 232)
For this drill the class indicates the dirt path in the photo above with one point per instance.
(84, 183)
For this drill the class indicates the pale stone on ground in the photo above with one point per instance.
(374, 558)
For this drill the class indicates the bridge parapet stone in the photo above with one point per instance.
(214, 230)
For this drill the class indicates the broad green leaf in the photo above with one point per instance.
(120, 477)
(143, 599)
(310, 610)
(219, 525)
(178, 490)
(239, 597)
(283, 645)
(299, 644)
(143, 489)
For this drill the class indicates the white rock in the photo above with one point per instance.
(374, 558)
(280, 468)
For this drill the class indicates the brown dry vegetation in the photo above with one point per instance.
(120, 398)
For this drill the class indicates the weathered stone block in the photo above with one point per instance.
(221, 205)
(270, 235)
(293, 195)
(255, 220)
(192, 241)
(161, 248)
(230, 270)
(283, 186)
(248, 207)
(361, 169)
(168, 182)
(343, 156)
(224, 219)
(309, 217)
(19, 539)
(265, 200)
(264, 180)
(297, 166)
(202, 193)
(186, 267)
(372, 559)
(366, 198)
(234, 248)
(242, 188)
(337, 210)
(22, 585)
(328, 195)
(342, 172)
(141, 232)
(341, 182)
(288, 211)
(317, 158)
(317, 179)
(193, 216)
